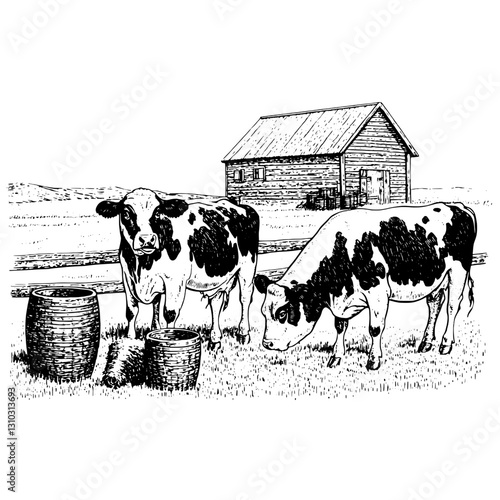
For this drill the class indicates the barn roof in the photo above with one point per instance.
(308, 133)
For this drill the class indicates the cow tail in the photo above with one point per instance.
(470, 282)
(225, 300)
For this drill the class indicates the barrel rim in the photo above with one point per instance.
(81, 293)
(190, 334)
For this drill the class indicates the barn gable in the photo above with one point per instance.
(377, 147)
(310, 133)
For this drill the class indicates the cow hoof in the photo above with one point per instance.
(214, 346)
(424, 347)
(373, 364)
(333, 362)
(242, 339)
(445, 349)
(112, 382)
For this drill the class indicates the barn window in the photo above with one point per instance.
(259, 174)
(239, 175)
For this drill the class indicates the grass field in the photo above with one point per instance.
(253, 371)
(64, 220)
(43, 220)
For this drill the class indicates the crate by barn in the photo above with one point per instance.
(347, 155)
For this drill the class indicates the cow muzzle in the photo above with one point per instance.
(273, 345)
(146, 243)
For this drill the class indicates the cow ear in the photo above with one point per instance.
(261, 282)
(173, 208)
(108, 208)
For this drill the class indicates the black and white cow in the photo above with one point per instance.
(363, 259)
(170, 246)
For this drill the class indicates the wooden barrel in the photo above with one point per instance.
(172, 359)
(62, 332)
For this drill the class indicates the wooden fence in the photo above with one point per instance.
(30, 262)
(33, 261)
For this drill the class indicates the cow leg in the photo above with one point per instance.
(339, 344)
(434, 302)
(175, 293)
(216, 304)
(155, 324)
(458, 278)
(245, 279)
(378, 306)
(132, 310)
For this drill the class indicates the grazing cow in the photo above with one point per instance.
(169, 246)
(363, 259)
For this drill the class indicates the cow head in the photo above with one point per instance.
(144, 219)
(283, 309)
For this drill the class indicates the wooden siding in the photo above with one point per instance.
(287, 179)
(378, 147)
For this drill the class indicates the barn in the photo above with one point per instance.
(332, 158)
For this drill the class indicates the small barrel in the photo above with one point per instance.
(62, 332)
(172, 359)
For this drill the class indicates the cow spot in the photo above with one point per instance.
(364, 268)
(210, 245)
(173, 208)
(191, 218)
(162, 226)
(437, 209)
(129, 314)
(129, 256)
(170, 316)
(410, 255)
(425, 220)
(244, 227)
(128, 218)
(460, 236)
(333, 276)
(292, 306)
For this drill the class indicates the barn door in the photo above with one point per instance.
(386, 191)
(375, 183)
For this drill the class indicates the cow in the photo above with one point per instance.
(366, 258)
(169, 246)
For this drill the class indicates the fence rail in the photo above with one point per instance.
(111, 286)
(30, 262)
(73, 259)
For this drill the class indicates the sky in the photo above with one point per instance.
(155, 94)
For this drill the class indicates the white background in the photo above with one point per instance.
(226, 67)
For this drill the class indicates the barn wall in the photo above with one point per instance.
(378, 147)
(287, 179)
